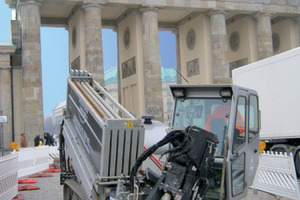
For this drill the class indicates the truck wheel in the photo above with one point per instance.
(280, 148)
(297, 161)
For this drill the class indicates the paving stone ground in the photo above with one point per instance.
(52, 190)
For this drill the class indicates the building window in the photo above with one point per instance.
(169, 108)
(169, 101)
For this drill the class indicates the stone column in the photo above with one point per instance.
(116, 29)
(16, 72)
(5, 92)
(93, 40)
(178, 60)
(220, 66)
(152, 65)
(264, 35)
(33, 122)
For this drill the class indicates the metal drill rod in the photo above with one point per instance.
(81, 96)
(111, 110)
(91, 101)
(97, 101)
(119, 106)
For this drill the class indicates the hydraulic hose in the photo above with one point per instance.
(176, 135)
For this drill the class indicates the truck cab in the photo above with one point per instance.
(227, 111)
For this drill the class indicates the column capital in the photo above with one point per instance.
(25, 2)
(261, 14)
(116, 29)
(175, 31)
(297, 19)
(7, 49)
(146, 8)
(218, 11)
(89, 4)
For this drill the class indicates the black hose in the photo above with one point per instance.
(183, 143)
(184, 147)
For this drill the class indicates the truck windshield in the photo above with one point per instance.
(209, 114)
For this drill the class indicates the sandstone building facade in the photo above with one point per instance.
(213, 37)
(168, 77)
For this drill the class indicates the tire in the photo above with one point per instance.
(67, 192)
(280, 148)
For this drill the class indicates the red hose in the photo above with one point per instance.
(154, 159)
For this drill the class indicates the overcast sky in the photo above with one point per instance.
(54, 45)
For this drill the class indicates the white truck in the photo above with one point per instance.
(277, 81)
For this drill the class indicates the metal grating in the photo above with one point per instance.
(121, 149)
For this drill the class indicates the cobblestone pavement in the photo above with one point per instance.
(52, 190)
(264, 196)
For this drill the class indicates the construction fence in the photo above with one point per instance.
(276, 174)
(25, 162)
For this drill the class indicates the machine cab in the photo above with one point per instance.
(225, 110)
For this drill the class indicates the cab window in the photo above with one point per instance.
(211, 114)
(238, 175)
(239, 130)
(253, 117)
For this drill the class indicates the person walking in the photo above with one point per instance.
(47, 138)
(37, 140)
(23, 141)
(52, 139)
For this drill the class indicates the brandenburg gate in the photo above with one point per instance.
(212, 38)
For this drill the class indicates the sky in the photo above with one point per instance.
(55, 56)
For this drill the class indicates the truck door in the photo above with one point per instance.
(243, 146)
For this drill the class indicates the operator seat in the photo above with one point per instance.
(217, 124)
